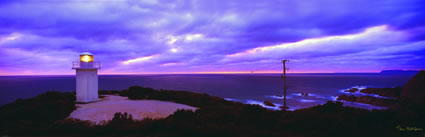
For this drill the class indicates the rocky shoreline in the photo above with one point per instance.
(384, 97)
(385, 92)
(390, 103)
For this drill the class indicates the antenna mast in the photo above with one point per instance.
(284, 84)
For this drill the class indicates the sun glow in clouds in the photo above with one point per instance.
(191, 37)
(139, 59)
(188, 37)
(174, 50)
(171, 64)
(11, 37)
(368, 31)
(171, 39)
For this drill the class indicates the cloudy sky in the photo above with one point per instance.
(211, 36)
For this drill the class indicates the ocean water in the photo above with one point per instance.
(245, 88)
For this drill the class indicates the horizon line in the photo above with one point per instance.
(168, 73)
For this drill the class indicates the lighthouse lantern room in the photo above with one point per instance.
(86, 78)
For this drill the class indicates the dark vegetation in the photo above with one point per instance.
(199, 100)
(45, 115)
(414, 90)
(35, 114)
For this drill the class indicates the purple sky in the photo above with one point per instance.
(210, 36)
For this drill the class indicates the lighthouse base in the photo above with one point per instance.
(87, 85)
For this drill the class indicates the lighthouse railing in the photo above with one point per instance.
(85, 65)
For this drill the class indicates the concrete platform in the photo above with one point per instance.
(105, 109)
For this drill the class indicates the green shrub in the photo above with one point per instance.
(136, 92)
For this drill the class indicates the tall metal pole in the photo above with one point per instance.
(284, 83)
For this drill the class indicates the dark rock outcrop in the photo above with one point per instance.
(414, 89)
(305, 94)
(385, 92)
(370, 100)
(268, 103)
(350, 98)
(377, 101)
(412, 94)
(351, 90)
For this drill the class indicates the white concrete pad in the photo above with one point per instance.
(105, 109)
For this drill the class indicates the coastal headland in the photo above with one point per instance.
(49, 115)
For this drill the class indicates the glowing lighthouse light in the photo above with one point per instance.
(86, 58)
(86, 78)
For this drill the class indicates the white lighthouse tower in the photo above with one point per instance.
(86, 76)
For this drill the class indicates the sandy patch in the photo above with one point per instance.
(105, 109)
